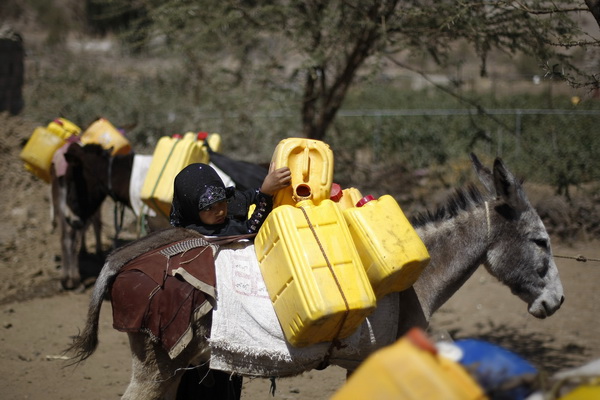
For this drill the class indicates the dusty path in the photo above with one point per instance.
(37, 321)
(34, 332)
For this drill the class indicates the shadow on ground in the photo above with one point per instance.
(90, 265)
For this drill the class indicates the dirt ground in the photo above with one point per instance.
(37, 320)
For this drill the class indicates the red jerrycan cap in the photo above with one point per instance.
(336, 192)
(419, 339)
(202, 135)
(365, 200)
(177, 136)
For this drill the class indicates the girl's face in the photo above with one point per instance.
(214, 214)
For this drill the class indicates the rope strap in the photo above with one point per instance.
(579, 258)
(335, 341)
(488, 220)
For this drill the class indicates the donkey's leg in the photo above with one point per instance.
(97, 223)
(154, 375)
(70, 240)
(206, 384)
(70, 277)
(54, 204)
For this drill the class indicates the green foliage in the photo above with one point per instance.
(561, 150)
(154, 104)
(433, 130)
(318, 47)
(257, 72)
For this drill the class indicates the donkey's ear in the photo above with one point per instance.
(484, 174)
(508, 187)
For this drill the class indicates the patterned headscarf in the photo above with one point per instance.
(196, 187)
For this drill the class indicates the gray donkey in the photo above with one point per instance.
(499, 230)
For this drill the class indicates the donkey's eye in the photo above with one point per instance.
(541, 243)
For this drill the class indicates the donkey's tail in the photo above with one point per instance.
(86, 342)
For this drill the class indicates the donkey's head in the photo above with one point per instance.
(519, 252)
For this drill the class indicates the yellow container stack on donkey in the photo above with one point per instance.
(104, 133)
(43, 143)
(389, 247)
(171, 155)
(312, 270)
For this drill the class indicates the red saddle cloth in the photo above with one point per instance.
(162, 291)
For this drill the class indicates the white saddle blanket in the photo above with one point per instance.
(247, 339)
(139, 170)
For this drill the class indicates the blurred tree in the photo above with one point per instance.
(127, 17)
(318, 48)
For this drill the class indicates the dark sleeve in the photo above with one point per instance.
(264, 205)
(238, 226)
(239, 204)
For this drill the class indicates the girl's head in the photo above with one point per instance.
(199, 197)
(214, 214)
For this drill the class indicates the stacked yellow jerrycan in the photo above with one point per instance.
(63, 127)
(311, 164)
(171, 155)
(43, 143)
(390, 249)
(104, 133)
(410, 369)
(312, 271)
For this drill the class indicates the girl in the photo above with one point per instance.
(201, 201)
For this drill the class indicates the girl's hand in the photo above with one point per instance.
(276, 179)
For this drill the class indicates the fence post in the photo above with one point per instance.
(518, 131)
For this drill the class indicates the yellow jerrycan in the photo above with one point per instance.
(389, 247)
(63, 127)
(44, 141)
(212, 139)
(104, 133)
(171, 155)
(589, 389)
(313, 273)
(410, 369)
(311, 164)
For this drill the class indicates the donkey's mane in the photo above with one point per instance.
(463, 199)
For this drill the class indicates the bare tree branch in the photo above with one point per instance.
(594, 6)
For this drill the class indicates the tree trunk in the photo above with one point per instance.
(322, 101)
(594, 6)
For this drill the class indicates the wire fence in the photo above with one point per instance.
(500, 132)
(420, 155)
(559, 147)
